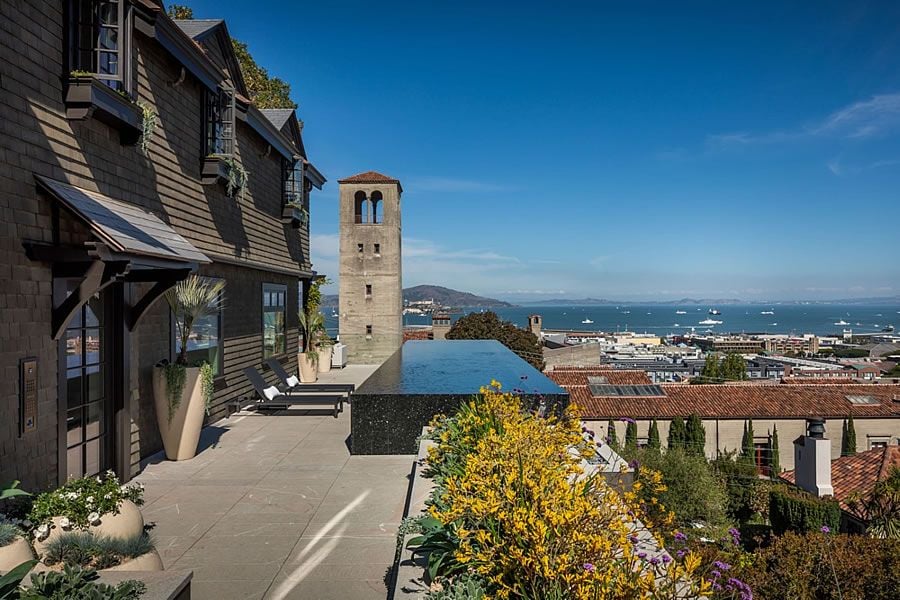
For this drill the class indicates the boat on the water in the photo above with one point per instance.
(586, 322)
(714, 311)
(680, 312)
(842, 322)
(767, 312)
(710, 322)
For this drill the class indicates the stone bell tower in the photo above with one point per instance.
(371, 288)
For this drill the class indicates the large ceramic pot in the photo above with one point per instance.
(145, 562)
(14, 554)
(127, 523)
(181, 433)
(325, 358)
(307, 367)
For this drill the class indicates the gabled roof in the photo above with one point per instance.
(197, 29)
(858, 473)
(370, 177)
(278, 116)
(214, 32)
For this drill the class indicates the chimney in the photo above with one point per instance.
(812, 459)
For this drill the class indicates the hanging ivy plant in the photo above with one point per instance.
(206, 384)
(148, 126)
(176, 375)
(237, 178)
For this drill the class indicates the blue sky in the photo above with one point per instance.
(628, 150)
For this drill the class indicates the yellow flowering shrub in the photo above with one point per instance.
(513, 496)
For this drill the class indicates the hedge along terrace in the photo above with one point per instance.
(514, 515)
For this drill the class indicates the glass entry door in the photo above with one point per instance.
(85, 399)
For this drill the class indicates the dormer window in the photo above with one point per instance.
(220, 122)
(294, 190)
(100, 41)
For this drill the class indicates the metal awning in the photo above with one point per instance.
(132, 245)
(124, 227)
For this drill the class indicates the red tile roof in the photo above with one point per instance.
(741, 402)
(858, 473)
(369, 177)
(800, 380)
(573, 376)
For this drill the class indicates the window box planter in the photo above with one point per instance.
(225, 170)
(88, 97)
(294, 216)
(215, 170)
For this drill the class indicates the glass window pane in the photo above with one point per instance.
(93, 349)
(73, 348)
(108, 13)
(109, 63)
(73, 427)
(94, 426)
(73, 463)
(93, 452)
(73, 387)
(95, 383)
(108, 38)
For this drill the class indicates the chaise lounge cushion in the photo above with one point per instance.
(271, 392)
(292, 381)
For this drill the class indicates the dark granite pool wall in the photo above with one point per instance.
(426, 378)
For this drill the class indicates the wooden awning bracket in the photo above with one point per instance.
(135, 312)
(99, 275)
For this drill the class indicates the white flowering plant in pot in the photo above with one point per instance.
(82, 504)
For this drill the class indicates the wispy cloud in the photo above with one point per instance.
(414, 248)
(877, 116)
(838, 167)
(437, 184)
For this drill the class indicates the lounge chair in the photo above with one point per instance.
(291, 384)
(271, 397)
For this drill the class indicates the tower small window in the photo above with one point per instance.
(368, 330)
(377, 249)
(376, 200)
(368, 290)
(359, 248)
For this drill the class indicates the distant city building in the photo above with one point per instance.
(608, 395)
(371, 291)
(440, 326)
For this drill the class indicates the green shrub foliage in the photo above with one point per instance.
(792, 509)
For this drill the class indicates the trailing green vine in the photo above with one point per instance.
(148, 125)
(207, 386)
(237, 178)
(176, 375)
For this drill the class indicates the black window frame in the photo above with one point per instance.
(219, 113)
(276, 288)
(85, 27)
(218, 370)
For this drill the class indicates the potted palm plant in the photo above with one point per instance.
(181, 391)
(312, 323)
(325, 347)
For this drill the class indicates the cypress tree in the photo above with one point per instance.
(774, 454)
(695, 436)
(653, 437)
(848, 442)
(611, 438)
(631, 436)
(748, 452)
(676, 433)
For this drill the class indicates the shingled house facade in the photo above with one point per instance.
(130, 157)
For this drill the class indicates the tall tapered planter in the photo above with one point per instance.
(307, 367)
(325, 358)
(181, 433)
(14, 554)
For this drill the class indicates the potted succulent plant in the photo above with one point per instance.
(181, 391)
(97, 505)
(14, 548)
(312, 323)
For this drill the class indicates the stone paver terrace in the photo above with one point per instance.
(276, 507)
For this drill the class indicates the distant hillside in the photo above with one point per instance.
(448, 297)
(441, 295)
